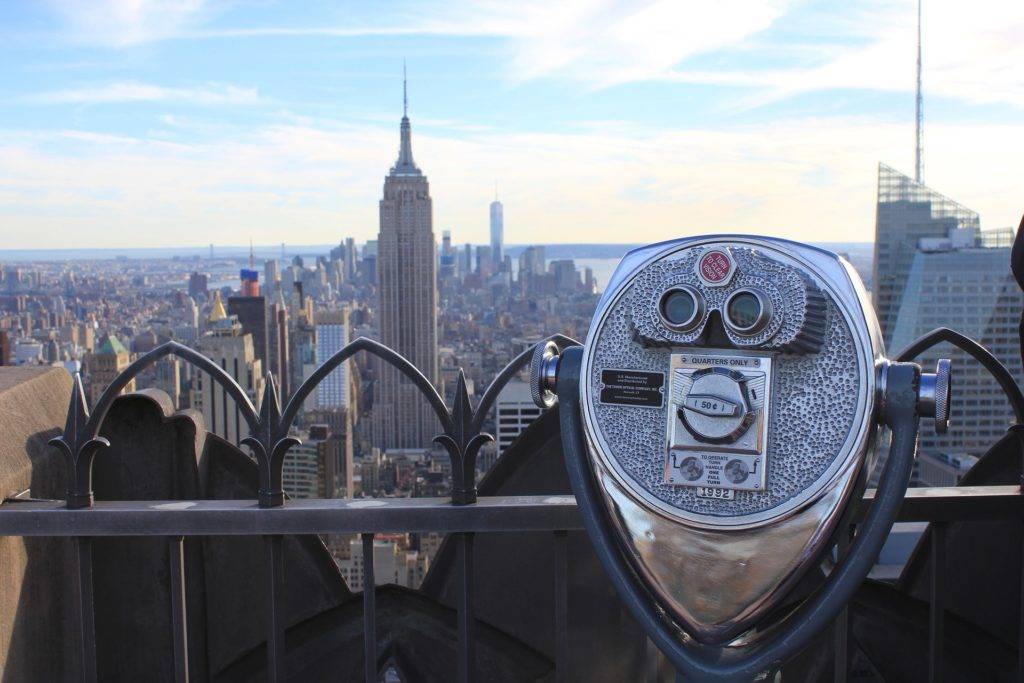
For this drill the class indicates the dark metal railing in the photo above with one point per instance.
(269, 436)
(556, 515)
(269, 440)
(463, 515)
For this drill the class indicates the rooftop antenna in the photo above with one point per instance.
(919, 147)
(252, 256)
(495, 190)
(405, 91)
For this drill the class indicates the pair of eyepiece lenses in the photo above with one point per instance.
(746, 311)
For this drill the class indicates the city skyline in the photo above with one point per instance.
(119, 131)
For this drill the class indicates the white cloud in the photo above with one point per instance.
(146, 92)
(604, 43)
(120, 23)
(598, 42)
(315, 182)
(972, 53)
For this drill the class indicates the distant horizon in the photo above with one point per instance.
(265, 251)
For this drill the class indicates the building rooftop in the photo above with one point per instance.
(111, 346)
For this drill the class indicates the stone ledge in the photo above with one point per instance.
(33, 407)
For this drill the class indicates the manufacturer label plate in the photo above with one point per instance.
(633, 388)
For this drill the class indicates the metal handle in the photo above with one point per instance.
(701, 662)
(934, 394)
(544, 375)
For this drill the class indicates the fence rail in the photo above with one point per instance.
(557, 514)
(490, 514)
(463, 515)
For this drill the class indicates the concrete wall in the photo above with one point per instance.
(38, 609)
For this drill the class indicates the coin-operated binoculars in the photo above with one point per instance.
(718, 427)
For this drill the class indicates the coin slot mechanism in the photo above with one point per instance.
(717, 429)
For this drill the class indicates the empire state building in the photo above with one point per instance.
(407, 292)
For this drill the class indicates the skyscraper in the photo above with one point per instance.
(447, 259)
(250, 283)
(407, 289)
(484, 262)
(271, 279)
(966, 285)
(350, 259)
(251, 311)
(278, 343)
(515, 411)
(198, 285)
(907, 212)
(232, 349)
(109, 361)
(497, 232)
(331, 337)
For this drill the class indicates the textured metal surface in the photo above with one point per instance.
(782, 284)
(935, 393)
(702, 662)
(718, 555)
(809, 446)
(943, 394)
(543, 373)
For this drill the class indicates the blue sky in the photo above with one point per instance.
(151, 123)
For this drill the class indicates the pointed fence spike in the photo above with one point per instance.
(78, 411)
(270, 404)
(462, 409)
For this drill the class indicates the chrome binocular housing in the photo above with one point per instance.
(730, 393)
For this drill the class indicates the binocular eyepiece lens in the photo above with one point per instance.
(680, 308)
(746, 311)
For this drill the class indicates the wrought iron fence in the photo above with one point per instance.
(463, 515)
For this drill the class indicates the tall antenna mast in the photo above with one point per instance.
(919, 146)
(405, 91)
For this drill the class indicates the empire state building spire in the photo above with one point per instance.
(405, 165)
(407, 301)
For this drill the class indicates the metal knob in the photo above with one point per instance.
(544, 374)
(934, 394)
